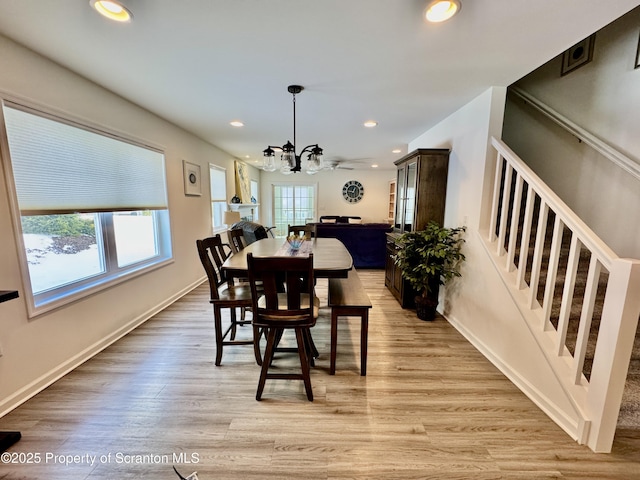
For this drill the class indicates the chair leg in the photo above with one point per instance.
(334, 341)
(266, 361)
(278, 338)
(257, 335)
(304, 361)
(217, 322)
(314, 350)
(234, 323)
(310, 347)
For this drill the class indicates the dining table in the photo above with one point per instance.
(330, 257)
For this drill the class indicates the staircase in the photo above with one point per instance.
(575, 294)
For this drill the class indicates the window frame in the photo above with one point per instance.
(255, 194)
(313, 186)
(223, 170)
(54, 298)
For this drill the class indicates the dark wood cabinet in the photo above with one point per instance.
(392, 275)
(421, 190)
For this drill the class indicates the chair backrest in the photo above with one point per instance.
(236, 239)
(308, 231)
(212, 255)
(281, 289)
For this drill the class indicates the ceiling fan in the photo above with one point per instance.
(336, 165)
(339, 163)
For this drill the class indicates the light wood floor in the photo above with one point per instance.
(430, 407)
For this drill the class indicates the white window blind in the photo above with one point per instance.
(61, 168)
(218, 182)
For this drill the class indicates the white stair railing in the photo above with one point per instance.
(536, 240)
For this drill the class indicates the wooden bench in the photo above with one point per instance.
(347, 298)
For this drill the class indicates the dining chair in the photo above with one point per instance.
(236, 239)
(275, 310)
(237, 242)
(307, 231)
(226, 296)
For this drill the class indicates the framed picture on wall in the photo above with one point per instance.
(243, 187)
(192, 180)
(578, 55)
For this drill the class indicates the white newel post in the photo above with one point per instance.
(613, 352)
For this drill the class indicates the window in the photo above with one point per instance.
(218, 182)
(92, 206)
(293, 205)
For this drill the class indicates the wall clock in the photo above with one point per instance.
(353, 191)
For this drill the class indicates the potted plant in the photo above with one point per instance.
(429, 258)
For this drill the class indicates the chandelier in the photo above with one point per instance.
(290, 161)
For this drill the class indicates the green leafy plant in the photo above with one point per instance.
(430, 257)
(62, 225)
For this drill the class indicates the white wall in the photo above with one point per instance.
(478, 304)
(372, 208)
(602, 97)
(37, 351)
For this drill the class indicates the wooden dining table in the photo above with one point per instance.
(330, 257)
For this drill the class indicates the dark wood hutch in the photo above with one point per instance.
(421, 190)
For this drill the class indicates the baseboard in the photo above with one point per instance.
(35, 387)
(571, 426)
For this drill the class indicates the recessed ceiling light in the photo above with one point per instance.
(397, 150)
(236, 123)
(375, 165)
(441, 10)
(370, 124)
(112, 9)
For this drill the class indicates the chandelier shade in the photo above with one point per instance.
(290, 161)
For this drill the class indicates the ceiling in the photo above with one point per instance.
(203, 63)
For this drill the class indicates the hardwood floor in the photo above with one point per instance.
(430, 407)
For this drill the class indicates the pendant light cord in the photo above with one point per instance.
(294, 124)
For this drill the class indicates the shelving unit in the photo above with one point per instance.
(392, 201)
(247, 210)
